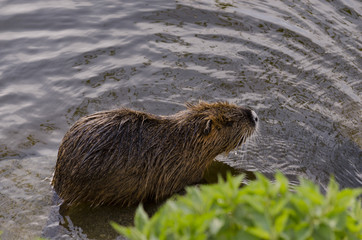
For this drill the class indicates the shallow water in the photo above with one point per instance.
(296, 63)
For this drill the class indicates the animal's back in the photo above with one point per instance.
(118, 157)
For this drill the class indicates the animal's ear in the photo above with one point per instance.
(207, 128)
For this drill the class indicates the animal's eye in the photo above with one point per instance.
(229, 123)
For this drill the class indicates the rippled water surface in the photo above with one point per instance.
(297, 63)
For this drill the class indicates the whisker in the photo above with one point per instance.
(245, 152)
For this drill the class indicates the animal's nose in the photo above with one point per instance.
(254, 116)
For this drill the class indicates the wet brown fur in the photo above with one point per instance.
(124, 157)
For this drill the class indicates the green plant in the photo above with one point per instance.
(260, 210)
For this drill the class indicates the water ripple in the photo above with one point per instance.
(296, 63)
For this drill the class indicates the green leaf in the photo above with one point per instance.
(300, 205)
(258, 232)
(215, 225)
(278, 206)
(131, 233)
(261, 221)
(282, 181)
(245, 236)
(259, 210)
(332, 189)
(302, 231)
(310, 192)
(323, 232)
(281, 221)
(234, 182)
(141, 218)
(337, 221)
(256, 202)
(354, 225)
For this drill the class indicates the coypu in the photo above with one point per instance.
(124, 157)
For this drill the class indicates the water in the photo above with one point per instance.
(297, 63)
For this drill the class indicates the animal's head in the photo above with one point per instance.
(226, 125)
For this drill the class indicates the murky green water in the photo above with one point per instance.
(297, 63)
